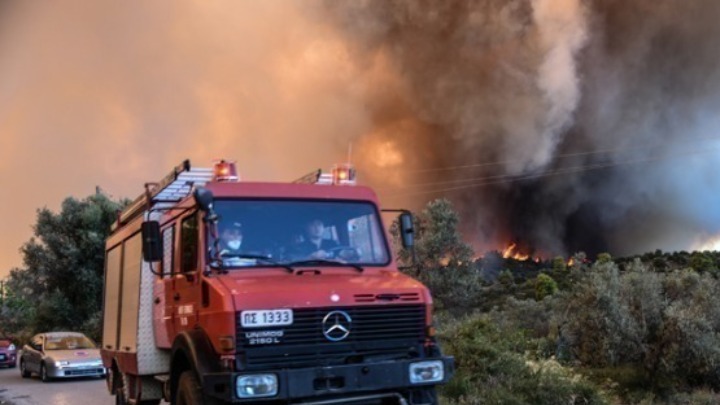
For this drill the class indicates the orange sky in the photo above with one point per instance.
(114, 95)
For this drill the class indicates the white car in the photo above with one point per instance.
(61, 355)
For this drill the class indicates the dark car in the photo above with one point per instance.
(8, 353)
(61, 355)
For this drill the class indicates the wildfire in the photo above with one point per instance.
(511, 252)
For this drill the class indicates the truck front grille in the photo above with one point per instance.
(388, 331)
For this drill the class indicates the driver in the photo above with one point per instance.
(313, 245)
(231, 239)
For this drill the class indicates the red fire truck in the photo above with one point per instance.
(223, 291)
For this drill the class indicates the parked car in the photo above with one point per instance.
(8, 353)
(61, 355)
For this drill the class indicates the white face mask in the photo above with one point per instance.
(234, 244)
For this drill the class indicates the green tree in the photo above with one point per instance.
(60, 283)
(703, 262)
(544, 286)
(445, 262)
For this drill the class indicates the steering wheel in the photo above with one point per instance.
(344, 252)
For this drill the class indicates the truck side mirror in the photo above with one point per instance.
(151, 246)
(407, 230)
(204, 199)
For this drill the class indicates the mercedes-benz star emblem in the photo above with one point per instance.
(336, 326)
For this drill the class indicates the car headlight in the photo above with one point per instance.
(426, 372)
(61, 363)
(256, 386)
(11, 347)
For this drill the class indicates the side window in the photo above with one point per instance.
(189, 244)
(365, 235)
(168, 237)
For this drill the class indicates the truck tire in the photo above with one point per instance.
(24, 373)
(120, 397)
(122, 389)
(189, 391)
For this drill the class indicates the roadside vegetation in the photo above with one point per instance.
(60, 284)
(642, 330)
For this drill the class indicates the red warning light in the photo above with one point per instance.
(225, 171)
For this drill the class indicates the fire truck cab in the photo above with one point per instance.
(221, 291)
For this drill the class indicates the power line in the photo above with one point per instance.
(504, 176)
(492, 180)
(559, 156)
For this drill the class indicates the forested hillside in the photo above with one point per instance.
(637, 330)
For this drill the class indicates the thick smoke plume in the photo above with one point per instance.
(516, 92)
(527, 90)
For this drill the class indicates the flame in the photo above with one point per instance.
(511, 253)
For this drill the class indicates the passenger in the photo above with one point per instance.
(232, 247)
(314, 245)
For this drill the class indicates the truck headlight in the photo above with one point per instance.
(256, 386)
(426, 372)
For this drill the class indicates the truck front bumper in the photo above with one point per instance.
(329, 382)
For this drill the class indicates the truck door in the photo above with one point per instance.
(162, 292)
(186, 292)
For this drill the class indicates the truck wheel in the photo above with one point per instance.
(122, 389)
(23, 371)
(120, 397)
(43, 373)
(190, 392)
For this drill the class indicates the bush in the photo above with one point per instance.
(544, 286)
(492, 369)
(662, 323)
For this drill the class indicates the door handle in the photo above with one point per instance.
(176, 297)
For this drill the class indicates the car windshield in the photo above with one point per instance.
(284, 232)
(68, 342)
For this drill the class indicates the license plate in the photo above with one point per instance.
(2, 357)
(271, 317)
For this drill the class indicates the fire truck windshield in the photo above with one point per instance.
(282, 232)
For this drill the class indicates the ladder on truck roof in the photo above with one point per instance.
(165, 193)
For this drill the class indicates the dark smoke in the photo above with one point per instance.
(526, 83)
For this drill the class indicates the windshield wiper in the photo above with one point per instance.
(311, 262)
(267, 259)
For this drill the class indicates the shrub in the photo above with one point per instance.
(492, 369)
(663, 323)
(544, 286)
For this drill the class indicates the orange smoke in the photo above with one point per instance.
(115, 94)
